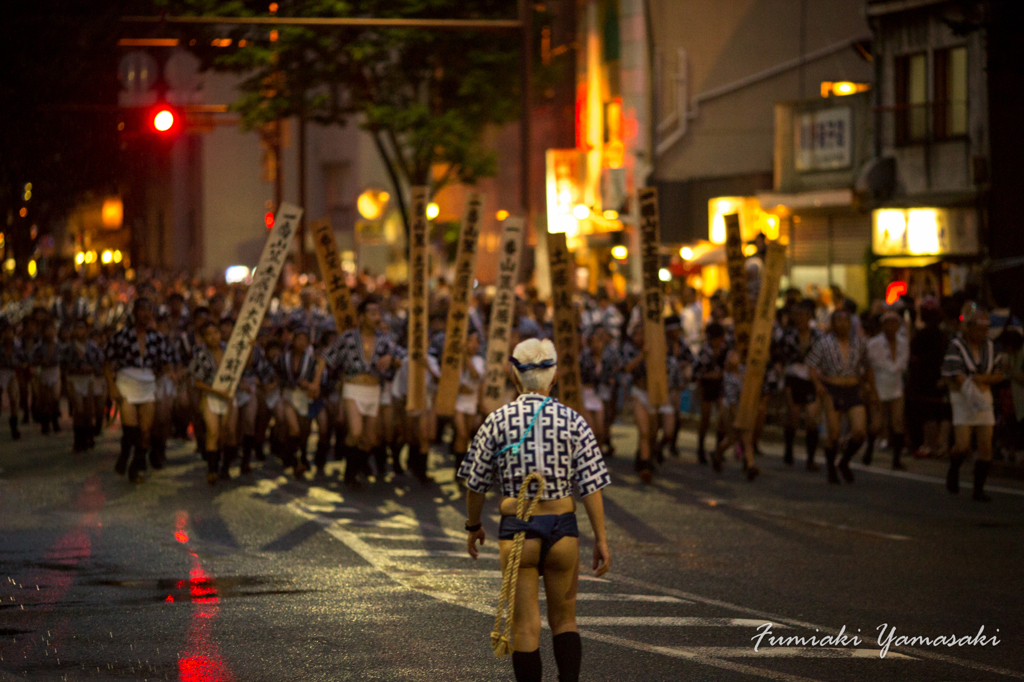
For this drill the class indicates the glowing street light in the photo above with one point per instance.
(686, 253)
(620, 252)
(433, 210)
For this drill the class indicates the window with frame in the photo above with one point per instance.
(950, 93)
(911, 94)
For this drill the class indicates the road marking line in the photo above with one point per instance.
(920, 653)
(433, 553)
(813, 522)
(421, 538)
(645, 598)
(930, 479)
(477, 573)
(670, 621)
(790, 652)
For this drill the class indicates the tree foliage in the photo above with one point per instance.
(426, 96)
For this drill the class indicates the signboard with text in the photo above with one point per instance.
(742, 314)
(418, 313)
(655, 346)
(503, 311)
(257, 298)
(458, 310)
(339, 298)
(823, 140)
(566, 326)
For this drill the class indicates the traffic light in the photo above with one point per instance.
(164, 120)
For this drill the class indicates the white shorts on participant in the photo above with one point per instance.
(299, 399)
(366, 398)
(645, 400)
(273, 398)
(82, 384)
(386, 397)
(966, 414)
(165, 388)
(50, 376)
(604, 392)
(217, 405)
(137, 385)
(591, 400)
(466, 403)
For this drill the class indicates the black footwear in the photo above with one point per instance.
(56, 424)
(701, 457)
(46, 427)
(844, 470)
(830, 461)
(752, 472)
(980, 475)
(953, 475)
(844, 464)
(15, 433)
(716, 461)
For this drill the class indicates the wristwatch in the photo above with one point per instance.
(474, 528)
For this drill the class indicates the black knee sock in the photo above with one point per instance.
(852, 446)
(339, 448)
(980, 475)
(869, 451)
(380, 460)
(812, 443)
(129, 437)
(248, 445)
(13, 421)
(228, 455)
(212, 458)
(527, 666)
(568, 654)
(789, 437)
(896, 440)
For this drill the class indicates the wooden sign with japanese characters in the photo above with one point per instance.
(567, 341)
(503, 310)
(418, 273)
(257, 299)
(759, 350)
(655, 346)
(742, 314)
(339, 298)
(458, 310)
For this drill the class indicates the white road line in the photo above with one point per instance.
(420, 538)
(931, 479)
(669, 621)
(410, 580)
(496, 575)
(790, 652)
(433, 553)
(919, 653)
(645, 598)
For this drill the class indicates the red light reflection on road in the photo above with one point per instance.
(181, 536)
(201, 660)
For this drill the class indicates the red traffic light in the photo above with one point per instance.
(164, 120)
(894, 291)
(269, 219)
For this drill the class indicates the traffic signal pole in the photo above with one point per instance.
(524, 24)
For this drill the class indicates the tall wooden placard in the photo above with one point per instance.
(759, 350)
(654, 328)
(257, 298)
(742, 314)
(567, 341)
(417, 398)
(339, 298)
(503, 310)
(458, 310)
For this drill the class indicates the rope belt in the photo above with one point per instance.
(501, 640)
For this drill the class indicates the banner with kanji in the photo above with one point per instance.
(257, 299)
(655, 346)
(566, 326)
(503, 311)
(339, 298)
(418, 313)
(735, 261)
(458, 310)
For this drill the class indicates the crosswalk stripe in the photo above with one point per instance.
(421, 538)
(432, 553)
(790, 652)
(646, 598)
(664, 621)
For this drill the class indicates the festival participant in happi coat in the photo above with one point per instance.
(972, 367)
(363, 354)
(12, 361)
(468, 401)
(839, 369)
(135, 355)
(801, 394)
(218, 408)
(298, 372)
(46, 359)
(537, 435)
(83, 367)
(708, 371)
(647, 416)
(889, 355)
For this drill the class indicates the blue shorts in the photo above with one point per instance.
(548, 528)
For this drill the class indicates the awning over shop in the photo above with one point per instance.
(906, 262)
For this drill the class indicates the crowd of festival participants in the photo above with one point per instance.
(147, 352)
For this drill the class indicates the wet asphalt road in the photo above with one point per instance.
(264, 578)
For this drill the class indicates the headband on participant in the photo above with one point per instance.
(544, 364)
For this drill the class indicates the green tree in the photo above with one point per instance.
(426, 96)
